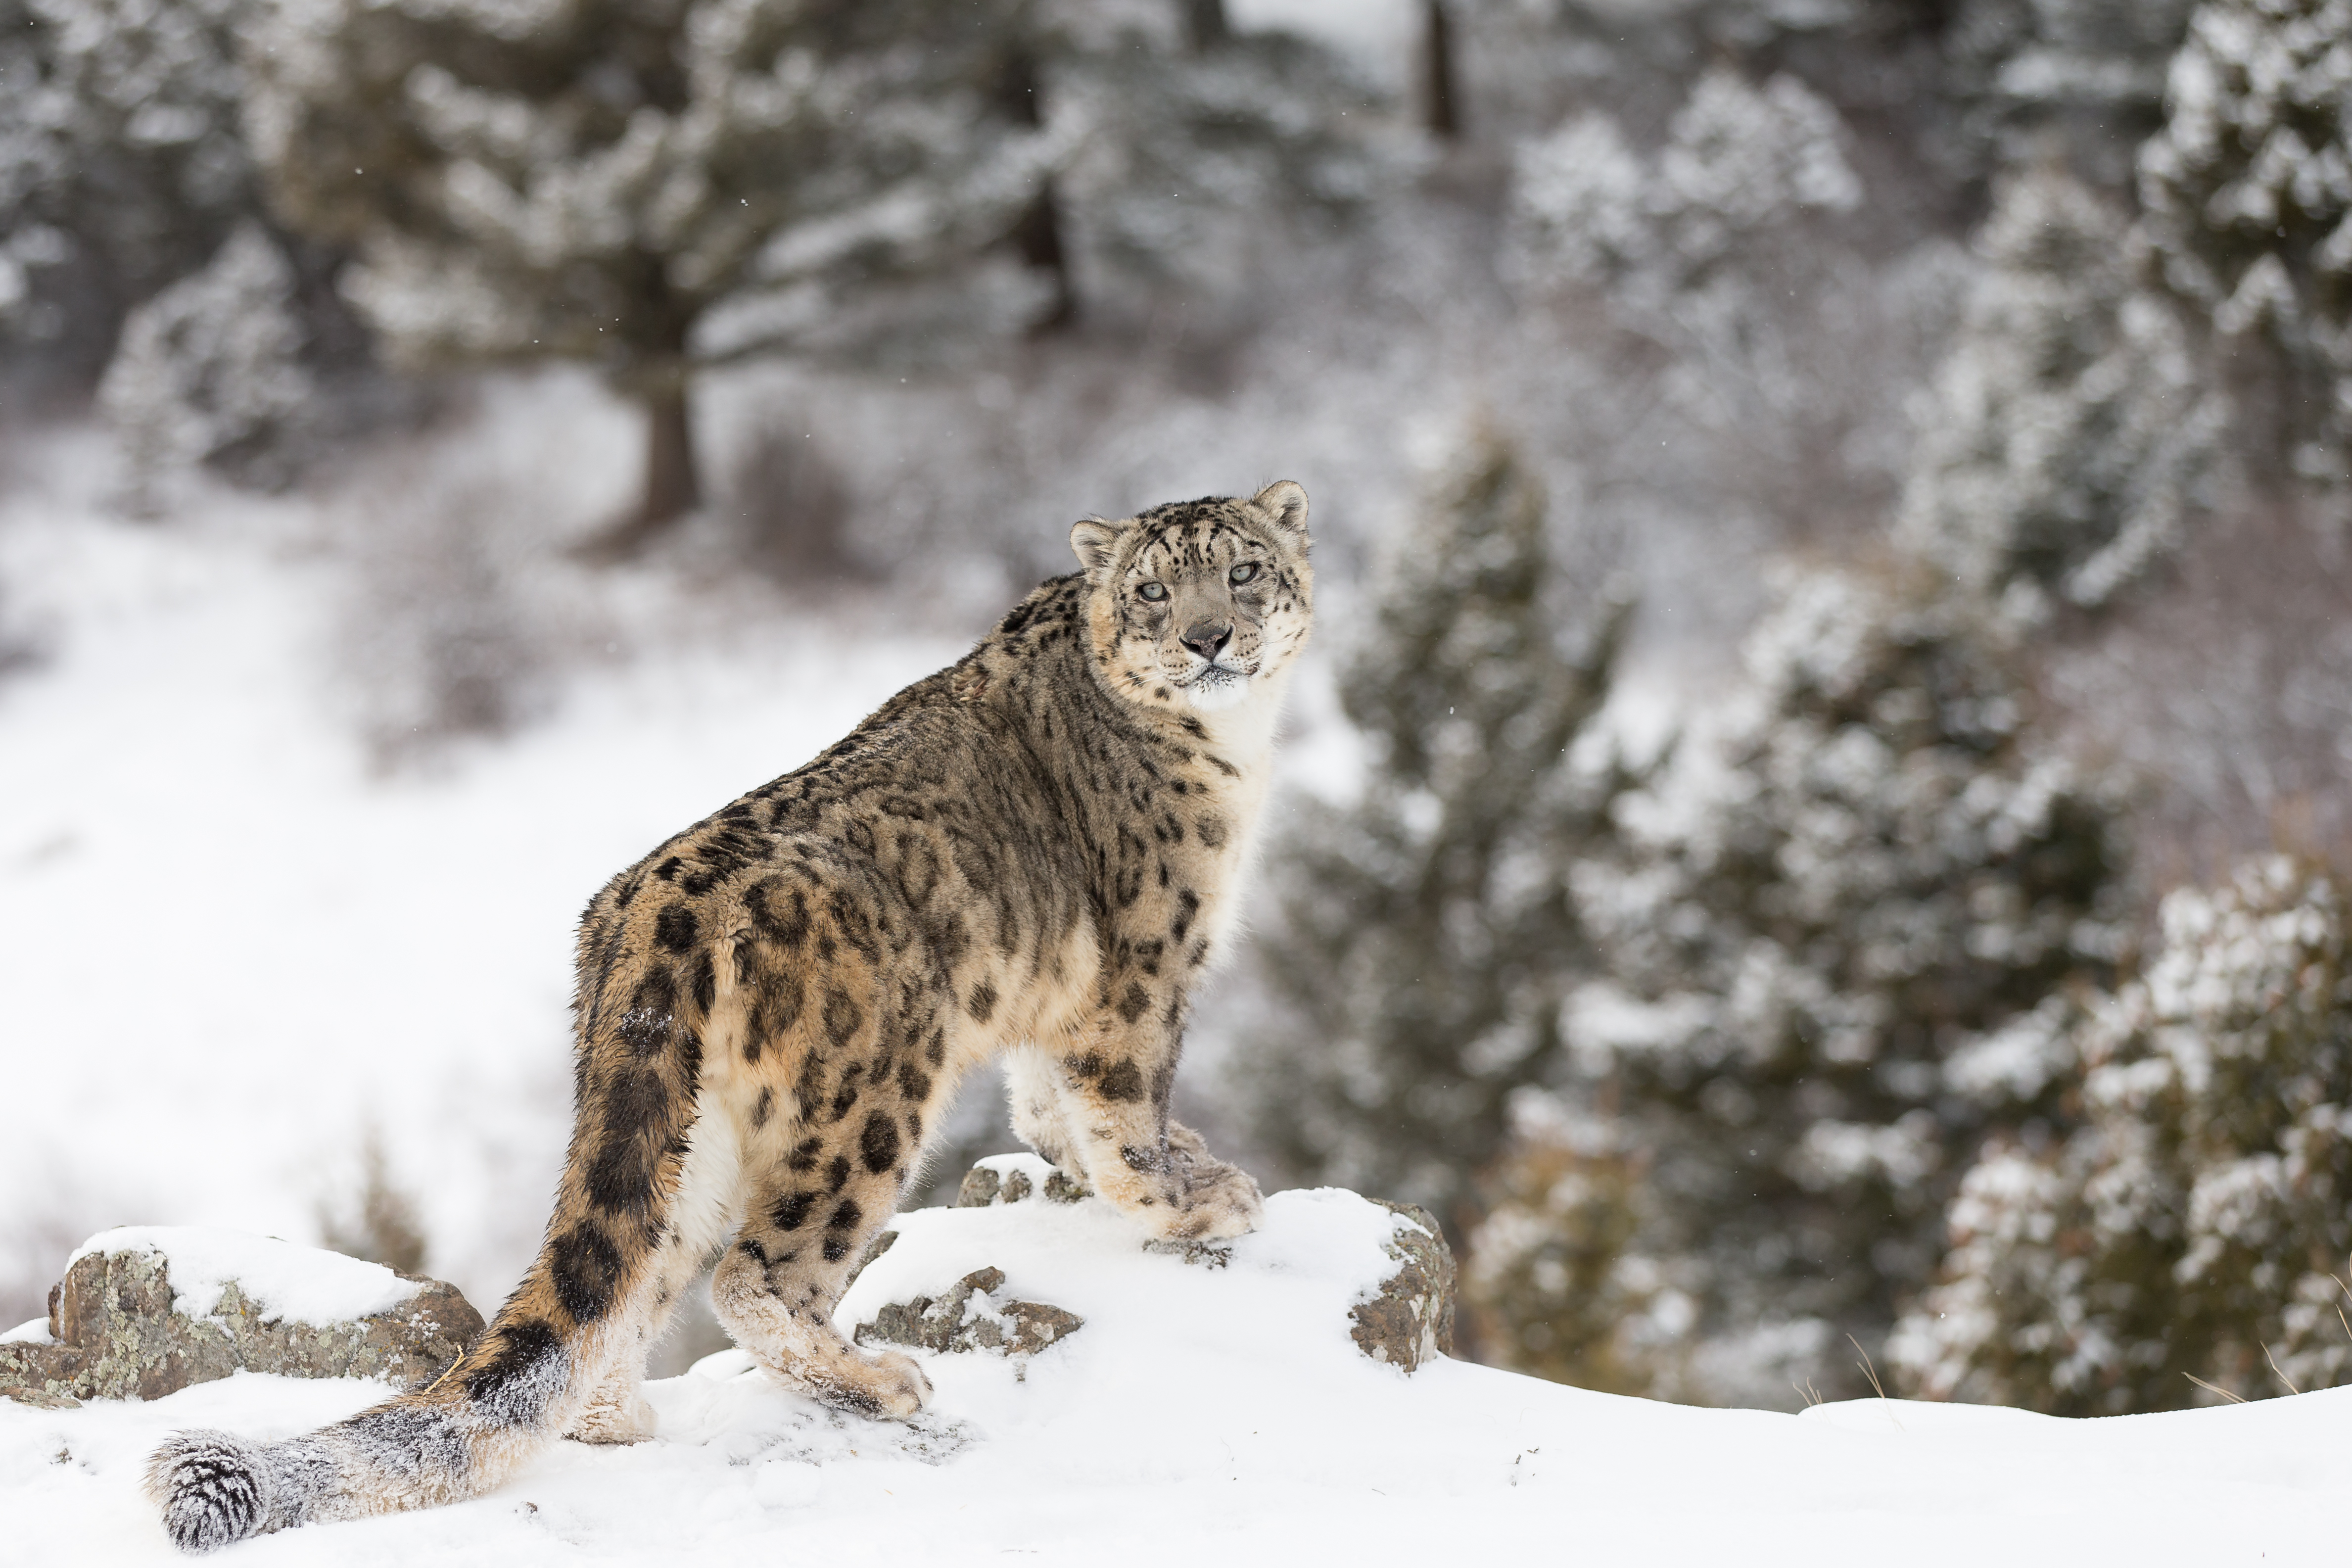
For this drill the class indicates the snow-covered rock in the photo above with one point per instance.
(1379, 1274)
(147, 1310)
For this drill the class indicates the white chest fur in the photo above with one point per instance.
(1243, 736)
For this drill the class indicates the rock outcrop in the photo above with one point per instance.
(119, 1327)
(1411, 1320)
(1405, 1321)
(968, 1317)
(1003, 1180)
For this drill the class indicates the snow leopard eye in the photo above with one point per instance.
(1241, 573)
(1155, 592)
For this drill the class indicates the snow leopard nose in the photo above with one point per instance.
(1207, 638)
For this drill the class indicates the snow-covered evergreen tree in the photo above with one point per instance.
(2069, 431)
(2248, 196)
(1729, 272)
(1827, 948)
(1741, 163)
(1427, 937)
(1555, 1284)
(1198, 151)
(211, 372)
(2086, 76)
(121, 164)
(644, 189)
(2198, 1224)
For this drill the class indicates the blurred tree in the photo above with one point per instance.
(121, 167)
(1555, 1284)
(647, 188)
(380, 1225)
(1201, 154)
(211, 371)
(1427, 936)
(1827, 949)
(2070, 431)
(1741, 167)
(2080, 79)
(2196, 1225)
(1206, 21)
(2248, 195)
(1440, 89)
(1744, 313)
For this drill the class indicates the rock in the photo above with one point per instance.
(118, 1328)
(1409, 1319)
(969, 1318)
(1002, 1179)
(1404, 1321)
(1209, 1254)
(982, 1186)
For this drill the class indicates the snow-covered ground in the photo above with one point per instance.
(1224, 1415)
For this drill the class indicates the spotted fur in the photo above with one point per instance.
(1030, 856)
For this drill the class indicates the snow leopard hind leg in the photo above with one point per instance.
(776, 1288)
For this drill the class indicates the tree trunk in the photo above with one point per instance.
(672, 486)
(1207, 19)
(1038, 236)
(1444, 104)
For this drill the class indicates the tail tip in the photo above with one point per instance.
(210, 1486)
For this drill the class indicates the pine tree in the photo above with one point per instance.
(1745, 319)
(2198, 1223)
(2083, 76)
(1827, 949)
(1427, 937)
(1742, 165)
(121, 164)
(1201, 154)
(1556, 1284)
(211, 371)
(645, 189)
(2248, 196)
(2069, 433)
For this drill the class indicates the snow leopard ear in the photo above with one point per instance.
(1283, 502)
(1095, 542)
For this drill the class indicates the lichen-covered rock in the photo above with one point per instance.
(1001, 1180)
(970, 1317)
(118, 1329)
(1208, 1254)
(1409, 1319)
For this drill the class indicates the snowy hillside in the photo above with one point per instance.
(1225, 1415)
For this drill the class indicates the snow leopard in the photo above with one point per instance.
(1030, 856)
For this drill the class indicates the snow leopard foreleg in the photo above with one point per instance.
(1112, 1084)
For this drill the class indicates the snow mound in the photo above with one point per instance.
(285, 1282)
(1216, 1410)
(1319, 1254)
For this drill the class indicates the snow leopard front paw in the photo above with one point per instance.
(1218, 1201)
(879, 1384)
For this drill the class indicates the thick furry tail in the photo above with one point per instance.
(515, 1391)
(579, 1320)
(215, 1488)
